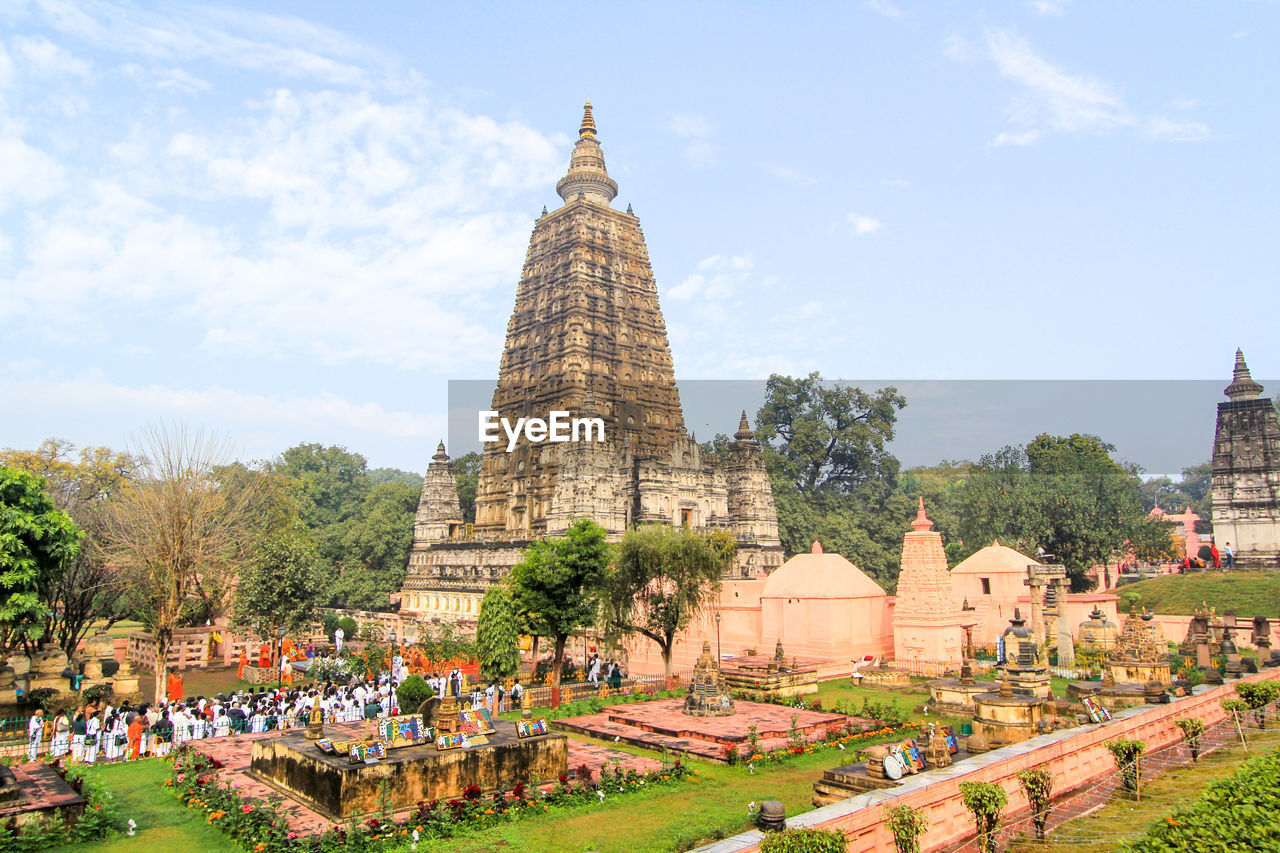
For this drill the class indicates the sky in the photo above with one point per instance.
(298, 221)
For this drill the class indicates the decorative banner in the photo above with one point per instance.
(325, 745)
(480, 717)
(356, 753)
(531, 728)
(407, 730)
(953, 743)
(451, 741)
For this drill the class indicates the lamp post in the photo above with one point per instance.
(718, 655)
(279, 659)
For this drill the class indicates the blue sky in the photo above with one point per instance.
(298, 224)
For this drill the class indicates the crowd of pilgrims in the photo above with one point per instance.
(106, 733)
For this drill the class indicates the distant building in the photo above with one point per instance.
(1246, 473)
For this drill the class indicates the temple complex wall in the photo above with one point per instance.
(1077, 759)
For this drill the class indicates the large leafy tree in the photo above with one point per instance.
(175, 532)
(375, 547)
(1066, 495)
(281, 585)
(466, 474)
(332, 484)
(662, 579)
(36, 541)
(824, 435)
(85, 589)
(497, 635)
(556, 586)
(834, 480)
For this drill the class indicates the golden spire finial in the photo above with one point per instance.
(588, 127)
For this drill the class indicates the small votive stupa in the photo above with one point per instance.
(708, 695)
(1015, 712)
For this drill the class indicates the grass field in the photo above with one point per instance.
(1124, 818)
(163, 823)
(1247, 593)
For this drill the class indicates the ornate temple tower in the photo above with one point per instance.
(926, 618)
(439, 516)
(587, 337)
(1246, 473)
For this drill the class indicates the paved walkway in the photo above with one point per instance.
(235, 753)
(663, 724)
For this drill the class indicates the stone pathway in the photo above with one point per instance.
(662, 724)
(235, 752)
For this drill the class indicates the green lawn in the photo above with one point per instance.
(1247, 593)
(1124, 818)
(163, 823)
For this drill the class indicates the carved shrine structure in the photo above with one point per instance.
(586, 337)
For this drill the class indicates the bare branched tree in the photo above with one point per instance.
(175, 532)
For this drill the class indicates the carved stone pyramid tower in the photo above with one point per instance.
(1246, 473)
(587, 337)
(926, 618)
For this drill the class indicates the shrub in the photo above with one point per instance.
(985, 801)
(41, 696)
(412, 692)
(329, 623)
(1037, 784)
(1192, 729)
(349, 627)
(1228, 815)
(907, 825)
(1258, 695)
(1127, 755)
(803, 841)
(96, 692)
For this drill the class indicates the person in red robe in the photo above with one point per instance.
(244, 661)
(175, 687)
(1213, 552)
(135, 736)
(264, 656)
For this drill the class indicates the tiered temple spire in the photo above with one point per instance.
(1242, 386)
(587, 177)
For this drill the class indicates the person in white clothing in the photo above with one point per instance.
(61, 735)
(35, 732)
(338, 636)
(92, 735)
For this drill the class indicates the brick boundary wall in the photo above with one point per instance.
(1075, 757)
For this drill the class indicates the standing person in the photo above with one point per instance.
(1213, 553)
(517, 694)
(35, 732)
(593, 670)
(338, 636)
(92, 734)
(174, 686)
(615, 676)
(61, 735)
(1231, 556)
(77, 737)
(490, 693)
(244, 661)
(134, 732)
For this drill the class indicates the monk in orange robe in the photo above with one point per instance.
(175, 687)
(244, 661)
(264, 656)
(134, 735)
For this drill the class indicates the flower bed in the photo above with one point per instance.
(261, 827)
(835, 739)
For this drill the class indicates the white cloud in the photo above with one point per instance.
(314, 223)
(1048, 7)
(959, 48)
(883, 7)
(40, 56)
(790, 174)
(863, 225)
(695, 132)
(1056, 101)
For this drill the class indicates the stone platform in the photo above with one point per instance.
(662, 724)
(333, 786)
(234, 754)
(35, 790)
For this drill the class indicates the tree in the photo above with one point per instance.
(375, 547)
(663, 577)
(85, 589)
(36, 541)
(282, 585)
(496, 635)
(332, 485)
(466, 474)
(557, 584)
(827, 436)
(175, 531)
(1065, 494)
